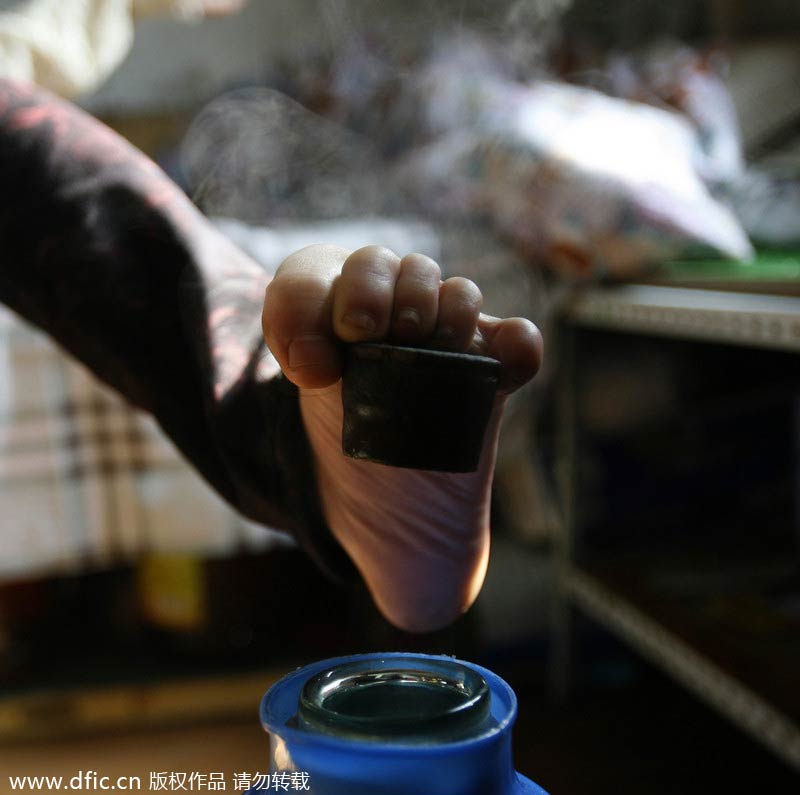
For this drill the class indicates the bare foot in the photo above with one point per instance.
(420, 539)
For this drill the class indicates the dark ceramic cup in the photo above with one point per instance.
(409, 407)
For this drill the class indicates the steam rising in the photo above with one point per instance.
(257, 155)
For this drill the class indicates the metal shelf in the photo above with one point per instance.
(766, 321)
(669, 639)
(668, 651)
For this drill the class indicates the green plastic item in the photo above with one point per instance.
(772, 270)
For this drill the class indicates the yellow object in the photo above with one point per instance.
(172, 591)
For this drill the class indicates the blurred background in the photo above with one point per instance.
(626, 174)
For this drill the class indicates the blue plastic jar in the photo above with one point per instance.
(394, 724)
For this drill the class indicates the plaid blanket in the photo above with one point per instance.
(87, 480)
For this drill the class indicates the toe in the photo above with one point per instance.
(416, 299)
(459, 308)
(517, 344)
(364, 294)
(296, 318)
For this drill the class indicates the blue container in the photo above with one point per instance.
(394, 724)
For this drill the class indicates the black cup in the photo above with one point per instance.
(422, 409)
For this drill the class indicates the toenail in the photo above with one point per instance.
(360, 320)
(409, 317)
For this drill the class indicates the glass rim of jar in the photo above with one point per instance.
(458, 706)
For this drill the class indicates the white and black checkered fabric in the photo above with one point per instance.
(87, 481)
